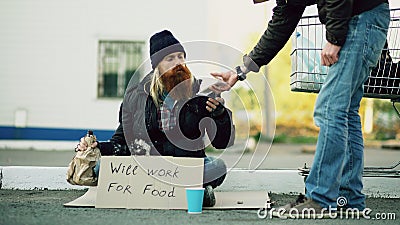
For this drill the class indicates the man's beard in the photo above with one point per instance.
(177, 82)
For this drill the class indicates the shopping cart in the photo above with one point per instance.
(308, 75)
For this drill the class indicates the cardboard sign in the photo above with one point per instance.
(147, 182)
(224, 200)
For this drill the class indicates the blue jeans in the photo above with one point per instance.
(338, 162)
(214, 171)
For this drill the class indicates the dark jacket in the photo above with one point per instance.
(141, 124)
(335, 14)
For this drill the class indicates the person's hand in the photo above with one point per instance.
(229, 77)
(219, 87)
(82, 146)
(330, 54)
(215, 106)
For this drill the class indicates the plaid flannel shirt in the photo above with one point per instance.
(166, 115)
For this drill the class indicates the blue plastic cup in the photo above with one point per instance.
(194, 197)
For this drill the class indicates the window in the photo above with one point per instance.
(117, 62)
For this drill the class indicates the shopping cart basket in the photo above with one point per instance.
(308, 75)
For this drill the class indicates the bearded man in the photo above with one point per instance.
(164, 115)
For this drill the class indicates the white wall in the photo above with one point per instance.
(48, 54)
(48, 50)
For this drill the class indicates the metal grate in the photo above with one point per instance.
(308, 74)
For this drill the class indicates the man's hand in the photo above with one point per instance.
(229, 77)
(330, 54)
(212, 103)
(215, 106)
(82, 146)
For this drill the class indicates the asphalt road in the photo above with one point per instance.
(46, 207)
(279, 156)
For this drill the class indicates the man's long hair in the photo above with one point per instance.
(176, 82)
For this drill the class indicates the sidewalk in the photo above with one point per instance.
(274, 170)
(33, 189)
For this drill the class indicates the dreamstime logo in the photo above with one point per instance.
(294, 213)
(341, 201)
(342, 212)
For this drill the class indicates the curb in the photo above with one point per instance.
(275, 181)
(35, 178)
(38, 145)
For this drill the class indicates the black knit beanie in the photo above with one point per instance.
(162, 44)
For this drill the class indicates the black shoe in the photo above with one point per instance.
(209, 197)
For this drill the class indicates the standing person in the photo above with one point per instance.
(163, 115)
(355, 32)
